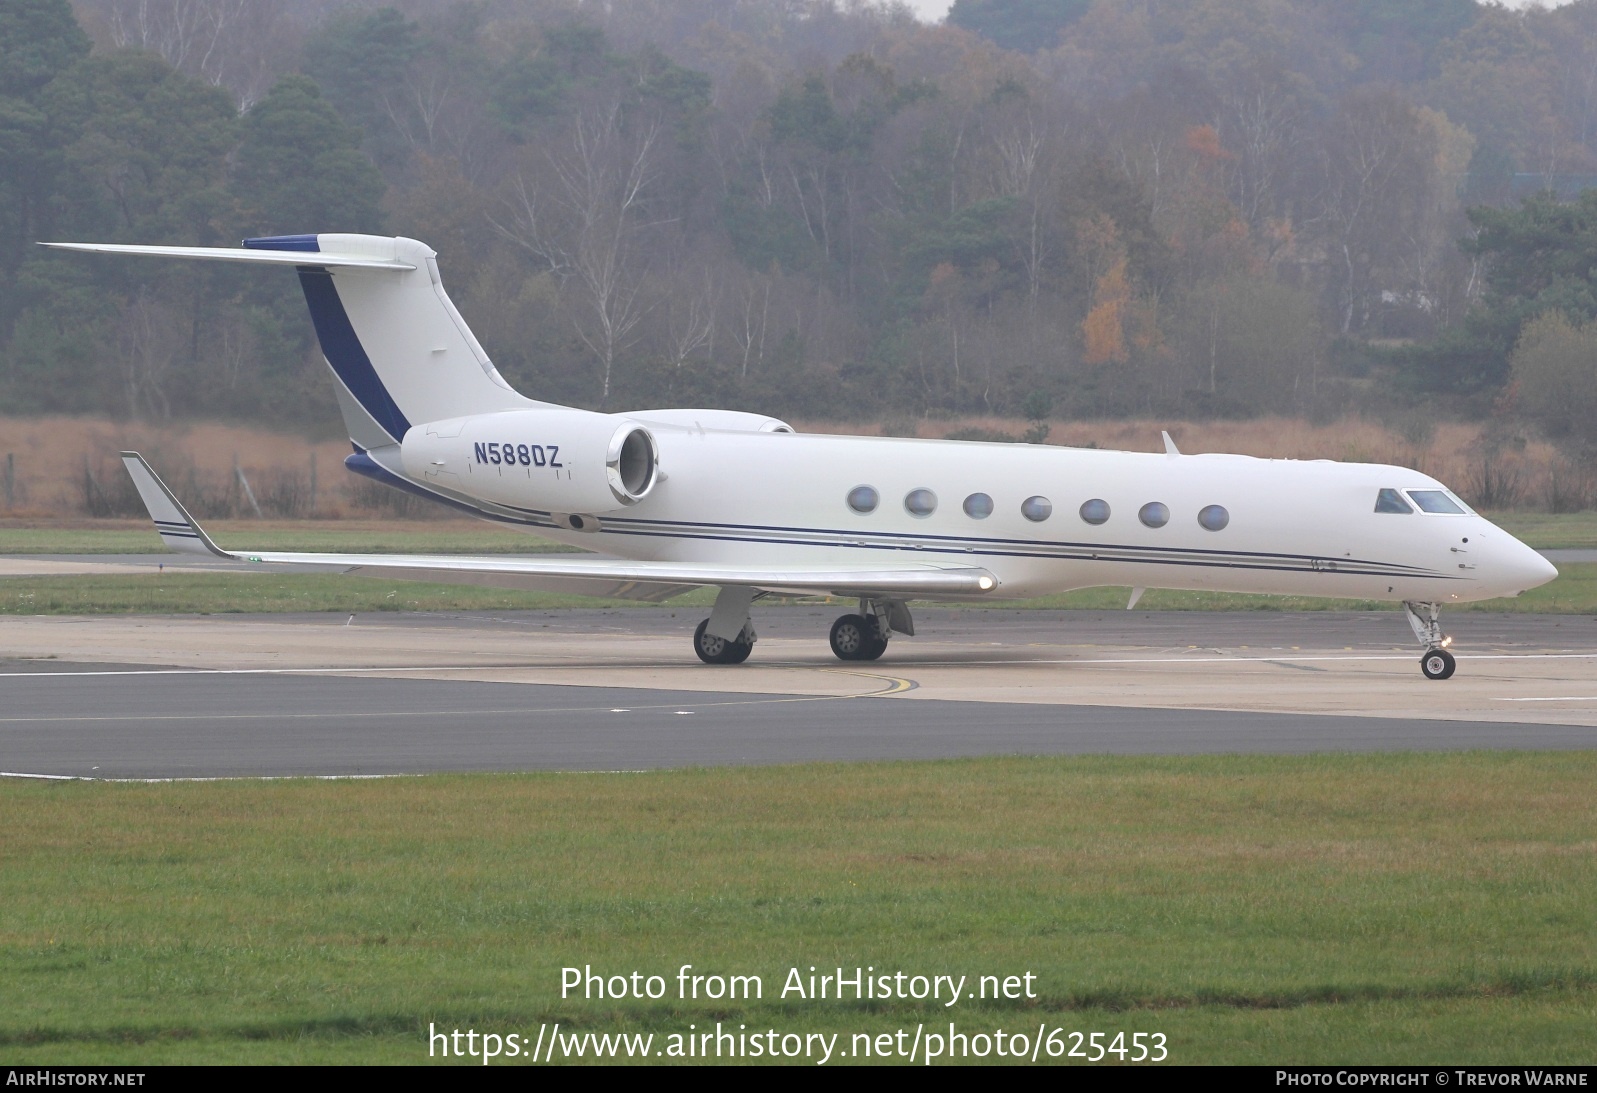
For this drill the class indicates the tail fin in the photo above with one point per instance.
(400, 352)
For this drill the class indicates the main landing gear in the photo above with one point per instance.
(858, 637)
(1437, 663)
(854, 637)
(864, 636)
(727, 636)
(714, 650)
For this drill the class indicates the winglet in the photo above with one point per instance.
(1169, 445)
(177, 528)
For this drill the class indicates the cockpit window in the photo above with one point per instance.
(1391, 501)
(1437, 501)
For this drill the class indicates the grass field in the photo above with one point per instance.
(1574, 592)
(1399, 908)
(217, 593)
(1551, 531)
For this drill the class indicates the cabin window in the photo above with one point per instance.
(1095, 512)
(1155, 514)
(1214, 517)
(1391, 501)
(863, 499)
(1437, 501)
(978, 506)
(921, 502)
(1036, 509)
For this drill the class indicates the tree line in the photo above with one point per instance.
(816, 207)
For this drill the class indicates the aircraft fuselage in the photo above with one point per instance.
(1021, 511)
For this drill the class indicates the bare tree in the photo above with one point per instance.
(690, 315)
(1377, 156)
(1025, 172)
(236, 44)
(586, 224)
(148, 343)
(754, 310)
(1260, 124)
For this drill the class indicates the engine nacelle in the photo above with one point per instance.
(732, 421)
(563, 461)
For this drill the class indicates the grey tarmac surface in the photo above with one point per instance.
(617, 689)
(211, 725)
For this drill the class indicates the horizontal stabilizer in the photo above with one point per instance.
(241, 254)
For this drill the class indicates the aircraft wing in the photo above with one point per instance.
(581, 574)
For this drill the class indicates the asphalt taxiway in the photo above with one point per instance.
(237, 695)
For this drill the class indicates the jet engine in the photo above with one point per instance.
(567, 462)
(731, 421)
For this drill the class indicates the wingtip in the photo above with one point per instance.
(178, 530)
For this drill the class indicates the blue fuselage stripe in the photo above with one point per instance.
(367, 467)
(1281, 563)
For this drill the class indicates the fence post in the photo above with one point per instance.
(245, 482)
(93, 496)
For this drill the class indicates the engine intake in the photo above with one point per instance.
(556, 460)
(633, 460)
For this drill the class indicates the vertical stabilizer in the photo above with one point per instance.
(399, 350)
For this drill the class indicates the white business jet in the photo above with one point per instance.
(681, 499)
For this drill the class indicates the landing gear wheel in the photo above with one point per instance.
(1438, 664)
(874, 649)
(853, 636)
(714, 650)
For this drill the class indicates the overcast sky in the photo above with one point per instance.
(933, 10)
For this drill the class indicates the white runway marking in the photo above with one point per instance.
(1565, 698)
(229, 778)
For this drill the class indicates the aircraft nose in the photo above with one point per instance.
(1525, 569)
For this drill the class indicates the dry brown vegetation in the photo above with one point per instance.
(68, 466)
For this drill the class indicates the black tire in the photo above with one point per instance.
(709, 647)
(875, 649)
(851, 636)
(714, 650)
(1438, 664)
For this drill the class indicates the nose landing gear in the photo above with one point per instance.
(1437, 663)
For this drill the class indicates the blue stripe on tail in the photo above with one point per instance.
(341, 346)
